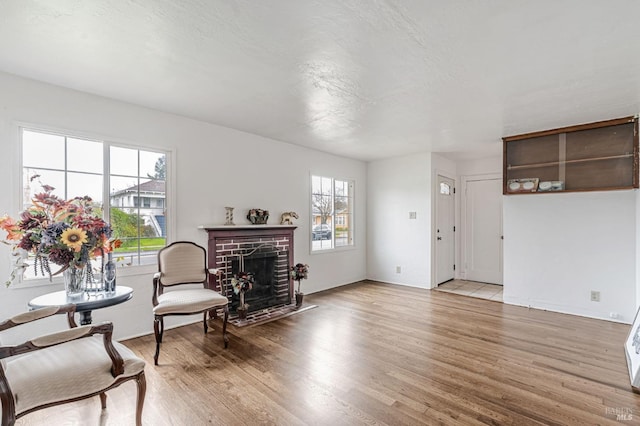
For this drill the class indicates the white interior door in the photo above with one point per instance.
(445, 241)
(483, 230)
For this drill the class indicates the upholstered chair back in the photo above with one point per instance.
(181, 263)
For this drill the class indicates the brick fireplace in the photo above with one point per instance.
(266, 251)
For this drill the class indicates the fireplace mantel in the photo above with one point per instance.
(226, 241)
(243, 227)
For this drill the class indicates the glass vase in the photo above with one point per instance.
(110, 275)
(73, 282)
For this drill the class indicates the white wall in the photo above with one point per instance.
(480, 166)
(214, 167)
(396, 187)
(559, 247)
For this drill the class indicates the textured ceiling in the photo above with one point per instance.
(364, 79)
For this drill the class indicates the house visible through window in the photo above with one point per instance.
(332, 213)
(126, 184)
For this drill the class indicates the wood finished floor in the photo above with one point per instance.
(374, 353)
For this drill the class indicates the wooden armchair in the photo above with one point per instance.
(184, 262)
(63, 367)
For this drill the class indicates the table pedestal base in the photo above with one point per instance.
(85, 317)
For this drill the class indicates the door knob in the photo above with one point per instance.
(439, 238)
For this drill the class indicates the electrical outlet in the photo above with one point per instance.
(595, 296)
(398, 270)
(413, 215)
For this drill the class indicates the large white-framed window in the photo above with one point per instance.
(126, 183)
(332, 218)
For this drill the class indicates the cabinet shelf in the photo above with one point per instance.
(587, 157)
(557, 163)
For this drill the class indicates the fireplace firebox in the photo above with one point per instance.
(265, 251)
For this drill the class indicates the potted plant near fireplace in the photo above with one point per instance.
(241, 283)
(298, 273)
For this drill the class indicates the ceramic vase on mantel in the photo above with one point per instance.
(74, 282)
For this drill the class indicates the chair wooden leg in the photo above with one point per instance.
(204, 320)
(141, 383)
(158, 329)
(225, 337)
(7, 403)
(103, 400)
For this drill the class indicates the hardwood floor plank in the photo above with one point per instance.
(380, 354)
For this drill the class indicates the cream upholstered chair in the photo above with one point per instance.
(66, 366)
(179, 263)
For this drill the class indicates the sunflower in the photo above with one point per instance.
(74, 238)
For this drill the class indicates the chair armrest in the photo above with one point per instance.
(218, 273)
(61, 337)
(41, 313)
(42, 342)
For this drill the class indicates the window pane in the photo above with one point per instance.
(84, 156)
(42, 150)
(343, 204)
(342, 188)
(33, 186)
(152, 164)
(123, 161)
(81, 184)
(343, 231)
(158, 221)
(326, 187)
(125, 227)
(123, 191)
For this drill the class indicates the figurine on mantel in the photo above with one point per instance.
(229, 216)
(287, 218)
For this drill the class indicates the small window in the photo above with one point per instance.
(445, 188)
(332, 213)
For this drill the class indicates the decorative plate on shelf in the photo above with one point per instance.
(551, 185)
(544, 186)
(522, 185)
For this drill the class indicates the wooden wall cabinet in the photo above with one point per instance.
(589, 157)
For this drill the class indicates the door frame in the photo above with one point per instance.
(462, 271)
(434, 208)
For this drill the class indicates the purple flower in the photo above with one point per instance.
(53, 231)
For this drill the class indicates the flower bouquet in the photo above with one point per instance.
(67, 233)
(298, 273)
(241, 283)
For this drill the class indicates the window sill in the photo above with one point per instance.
(333, 250)
(130, 271)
